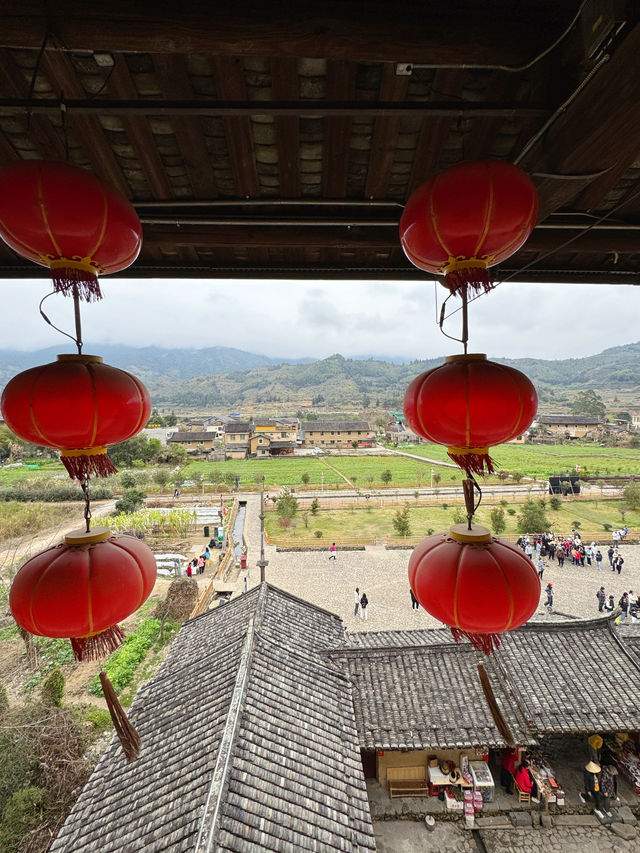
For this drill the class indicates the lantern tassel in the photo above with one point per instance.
(475, 279)
(86, 281)
(97, 646)
(486, 643)
(472, 460)
(83, 463)
(128, 736)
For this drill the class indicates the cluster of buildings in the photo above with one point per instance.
(263, 437)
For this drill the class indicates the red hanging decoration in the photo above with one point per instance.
(82, 588)
(474, 582)
(62, 217)
(78, 405)
(470, 404)
(467, 219)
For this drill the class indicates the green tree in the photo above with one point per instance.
(516, 476)
(354, 444)
(127, 480)
(532, 518)
(631, 496)
(170, 420)
(130, 501)
(161, 478)
(555, 503)
(437, 477)
(286, 505)
(52, 689)
(229, 479)
(402, 521)
(137, 448)
(315, 506)
(498, 521)
(588, 402)
(459, 515)
(386, 477)
(259, 478)
(305, 478)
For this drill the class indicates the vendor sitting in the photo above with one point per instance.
(526, 782)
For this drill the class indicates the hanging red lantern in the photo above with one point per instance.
(467, 219)
(64, 218)
(78, 405)
(474, 582)
(470, 404)
(82, 588)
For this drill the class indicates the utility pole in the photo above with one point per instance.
(262, 563)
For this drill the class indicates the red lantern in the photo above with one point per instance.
(474, 582)
(468, 218)
(78, 405)
(470, 404)
(62, 217)
(81, 588)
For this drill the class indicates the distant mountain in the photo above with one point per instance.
(221, 376)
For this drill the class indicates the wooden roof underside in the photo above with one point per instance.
(283, 140)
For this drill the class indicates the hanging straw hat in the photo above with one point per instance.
(592, 767)
(595, 741)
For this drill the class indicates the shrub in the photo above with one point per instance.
(606, 526)
(99, 718)
(315, 506)
(21, 814)
(497, 519)
(401, 521)
(430, 531)
(131, 500)
(516, 476)
(555, 503)
(318, 534)
(576, 524)
(52, 689)
(511, 511)
(532, 518)
(459, 516)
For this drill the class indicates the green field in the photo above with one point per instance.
(277, 472)
(405, 472)
(377, 522)
(8, 476)
(543, 460)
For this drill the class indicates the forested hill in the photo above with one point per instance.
(222, 376)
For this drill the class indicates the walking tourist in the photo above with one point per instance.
(560, 554)
(549, 602)
(602, 597)
(415, 604)
(610, 555)
(599, 560)
(332, 555)
(623, 604)
(540, 567)
(356, 601)
(618, 562)
(592, 785)
(364, 604)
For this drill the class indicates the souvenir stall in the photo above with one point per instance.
(550, 791)
(625, 756)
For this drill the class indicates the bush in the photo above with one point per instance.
(497, 519)
(318, 534)
(52, 689)
(459, 515)
(555, 503)
(576, 525)
(50, 491)
(511, 511)
(315, 506)
(22, 813)
(532, 518)
(430, 531)
(99, 718)
(401, 521)
(131, 500)
(606, 526)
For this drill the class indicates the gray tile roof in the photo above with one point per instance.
(248, 744)
(193, 435)
(336, 426)
(425, 698)
(389, 639)
(572, 676)
(238, 426)
(573, 420)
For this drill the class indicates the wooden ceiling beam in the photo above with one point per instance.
(434, 131)
(175, 83)
(385, 136)
(87, 129)
(231, 84)
(340, 82)
(139, 133)
(39, 129)
(284, 81)
(597, 131)
(465, 32)
(384, 237)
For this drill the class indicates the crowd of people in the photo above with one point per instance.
(561, 548)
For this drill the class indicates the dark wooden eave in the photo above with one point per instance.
(271, 140)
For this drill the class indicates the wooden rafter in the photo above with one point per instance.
(341, 81)
(385, 136)
(284, 77)
(231, 84)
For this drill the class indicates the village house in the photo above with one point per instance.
(338, 434)
(214, 424)
(571, 426)
(236, 439)
(194, 442)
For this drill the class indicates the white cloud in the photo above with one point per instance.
(318, 318)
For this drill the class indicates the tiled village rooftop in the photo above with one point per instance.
(252, 728)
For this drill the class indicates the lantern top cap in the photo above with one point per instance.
(477, 534)
(85, 359)
(81, 537)
(470, 356)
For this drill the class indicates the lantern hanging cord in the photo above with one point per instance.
(465, 323)
(76, 309)
(84, 485)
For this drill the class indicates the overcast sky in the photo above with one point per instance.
(316, 319)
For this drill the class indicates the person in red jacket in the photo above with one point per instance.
(526, 782)
(508, 765)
